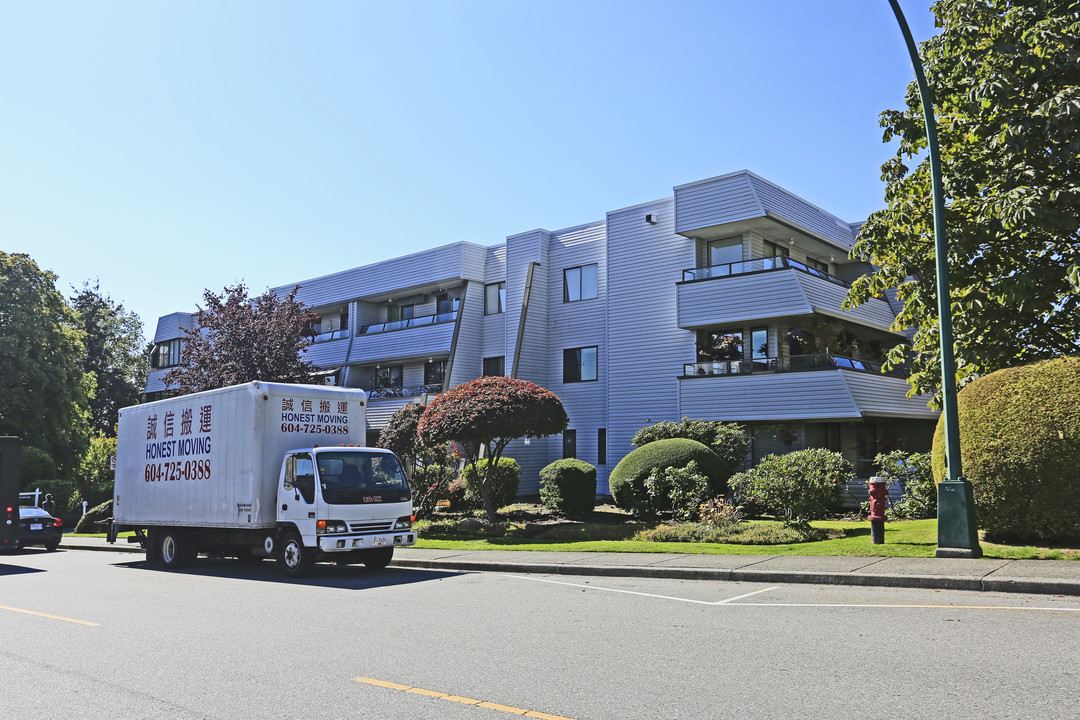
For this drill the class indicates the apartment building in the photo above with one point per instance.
(722, 302)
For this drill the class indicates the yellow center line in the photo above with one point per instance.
(457, 698)
(51, 617)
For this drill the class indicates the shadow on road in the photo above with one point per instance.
(345, 577)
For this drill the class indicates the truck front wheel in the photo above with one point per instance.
(293, 559)
(378, 559)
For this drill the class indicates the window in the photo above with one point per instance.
(569, 444)
(166, 354)
(388, 377)
(601, 446)
(579, 364)
(722, 252)
(494, 298)
(435, 372)
(774, 250)
(759, 343)
(396, 313)
(579, 283)
(494, 366)
(817, 265)
(445, 304)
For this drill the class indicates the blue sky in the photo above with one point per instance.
(162, 148)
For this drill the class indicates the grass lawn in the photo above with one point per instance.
(911, 538)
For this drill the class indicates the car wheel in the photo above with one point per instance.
(293, 559)
(51, 545)
(378, 559)
(175, 550)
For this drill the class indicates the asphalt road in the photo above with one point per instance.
(101, 635)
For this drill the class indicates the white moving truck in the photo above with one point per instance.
(259, 470)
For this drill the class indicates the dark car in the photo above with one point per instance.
(37, 527)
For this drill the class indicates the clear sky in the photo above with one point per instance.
(166, 147)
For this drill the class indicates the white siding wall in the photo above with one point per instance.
(466, 361)
(582, 323)
(646, 348)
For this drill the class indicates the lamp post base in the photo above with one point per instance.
(958, 535)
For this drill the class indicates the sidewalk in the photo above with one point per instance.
(1050, 577)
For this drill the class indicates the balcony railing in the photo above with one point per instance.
(411, 322)
(331, 335)
(794, 363)
(403, 392)
(758, 265)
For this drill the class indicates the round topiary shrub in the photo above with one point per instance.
(504, 482)
(1020, 448)
(568, 487)
(627, 480)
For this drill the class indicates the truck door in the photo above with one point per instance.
(296, 497)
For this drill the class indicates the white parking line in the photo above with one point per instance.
(633, 592)
(732, 601)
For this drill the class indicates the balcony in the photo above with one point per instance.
(410, 323)
(758, 265)
(794, 363)
(404, 392)
(766, 289)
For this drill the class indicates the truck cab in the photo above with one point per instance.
(345, 504)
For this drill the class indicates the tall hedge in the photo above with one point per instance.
(627, 479)
(1020, 448)
(568, 487)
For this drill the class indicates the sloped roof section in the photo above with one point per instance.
(743, 195)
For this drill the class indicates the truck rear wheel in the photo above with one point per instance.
(293, 559)
(176, 548)
(378, 559)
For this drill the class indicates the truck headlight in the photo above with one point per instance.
(325, 527)
(403, 523)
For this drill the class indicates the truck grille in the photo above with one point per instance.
(371, 527)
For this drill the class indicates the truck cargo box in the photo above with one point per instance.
(212, 459)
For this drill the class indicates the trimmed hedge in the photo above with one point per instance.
(568, 487)
(729, 441)
(1020, 448)
(627, 480)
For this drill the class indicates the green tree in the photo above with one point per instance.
(237, 340)
(44, 392)
(94, 479)
(114, 355)
(1006, 86)
(488, 413)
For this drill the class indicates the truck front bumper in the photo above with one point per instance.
(347, 543)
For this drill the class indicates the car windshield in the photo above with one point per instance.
(351, 478)
(26, 511)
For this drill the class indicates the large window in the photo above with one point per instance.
(494, 366)
(722, 252)
(166, 354)
(494, 298)
(435, 372)
(759, 343)
(388, 377)
(579, 364)
(579, 283)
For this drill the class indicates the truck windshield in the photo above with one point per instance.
(353, 478)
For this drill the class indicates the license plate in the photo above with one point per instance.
(37, 526)
(380, 540)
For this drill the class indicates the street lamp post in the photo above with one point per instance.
(958, 534)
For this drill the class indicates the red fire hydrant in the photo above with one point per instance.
(878, 493)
